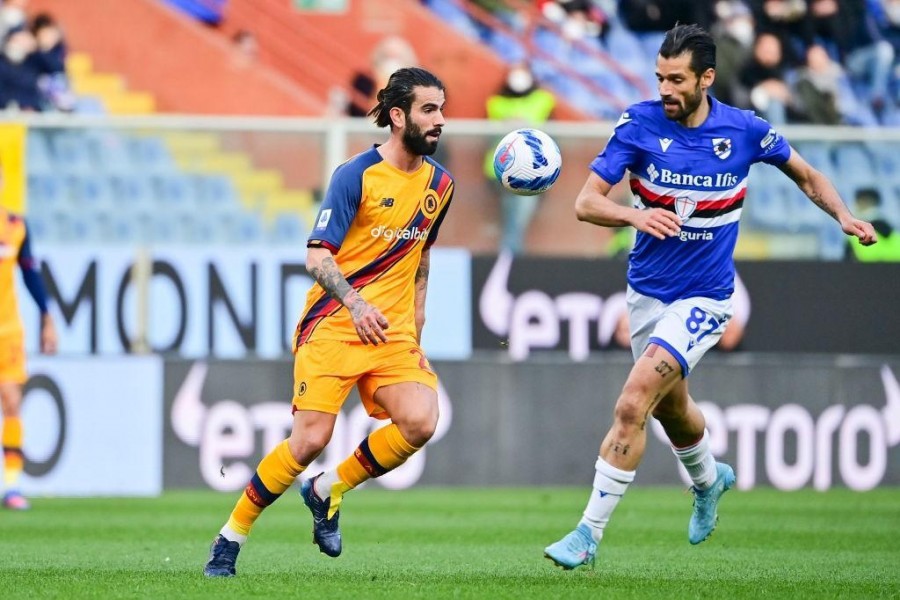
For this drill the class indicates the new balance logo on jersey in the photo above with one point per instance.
(386, 202)
(664, 143)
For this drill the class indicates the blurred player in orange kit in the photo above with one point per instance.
(15, 249)
(369, 254)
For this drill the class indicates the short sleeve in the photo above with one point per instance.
(620, 152)
(338, 209)
(769, 145)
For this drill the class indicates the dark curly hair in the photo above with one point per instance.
(693, 39)
(399, 92)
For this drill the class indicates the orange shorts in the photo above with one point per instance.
(326, 370)
(12, 359)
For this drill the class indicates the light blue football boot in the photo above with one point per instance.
(704, 517)
(576, 549)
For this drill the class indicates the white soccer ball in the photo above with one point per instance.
(527, 162)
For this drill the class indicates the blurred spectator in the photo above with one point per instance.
(764, 76)
(828, 21)
(650, 19)
(51, 48)
(19, 73)
(734, 34)
(391, 53)
(789, 21)
(867, 55)
(868, 206)
(247, 47)
(12, 17)
(520, 102)
(818, 87)
(577, 19)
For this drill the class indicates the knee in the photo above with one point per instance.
(418, 427)
(307, 447)
(630, 411)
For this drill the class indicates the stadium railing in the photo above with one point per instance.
(135, 180)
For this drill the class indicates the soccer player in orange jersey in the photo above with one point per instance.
(15, 249)
(369, 254)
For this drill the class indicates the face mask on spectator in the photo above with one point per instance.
(15, 54)
(893, 12)
(741, 29)
(519, 80)
(12, 16)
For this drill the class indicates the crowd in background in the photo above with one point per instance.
(32, 61)
(792, 61)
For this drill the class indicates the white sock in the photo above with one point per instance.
(322, 485)
(232, 536)
(699, 462)
(610, 484)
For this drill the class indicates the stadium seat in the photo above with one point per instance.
(45, 190)
(40, 227)
(38, 153)
(109, 150)
(215, 192)
(150, 154)
(507, 47)
(89, 192)
(451, 13)
(173, 190)
(288, 228)
(132, 190)
(70, 152)
(853, 160)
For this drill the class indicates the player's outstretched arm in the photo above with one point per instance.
(369, 322)
(594, 206)
(820, 190)
(421, 284)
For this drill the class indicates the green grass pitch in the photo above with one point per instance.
(460, 543)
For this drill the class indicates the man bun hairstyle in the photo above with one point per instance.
(399, 92)
(694, 39)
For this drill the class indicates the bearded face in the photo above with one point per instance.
(417, 141)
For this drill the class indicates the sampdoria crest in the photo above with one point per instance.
(722, 147)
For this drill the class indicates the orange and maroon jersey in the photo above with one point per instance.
(12, 238)
(376, 220)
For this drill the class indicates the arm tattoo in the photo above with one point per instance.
(813, 186)
(422, 271)
(816, 196)
(333, 282)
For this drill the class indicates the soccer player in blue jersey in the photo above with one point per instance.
(370, 256)
(688, 156)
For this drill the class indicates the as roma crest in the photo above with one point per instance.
(430, 203)
(722, 147)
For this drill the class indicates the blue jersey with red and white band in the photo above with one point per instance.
(698, 173)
